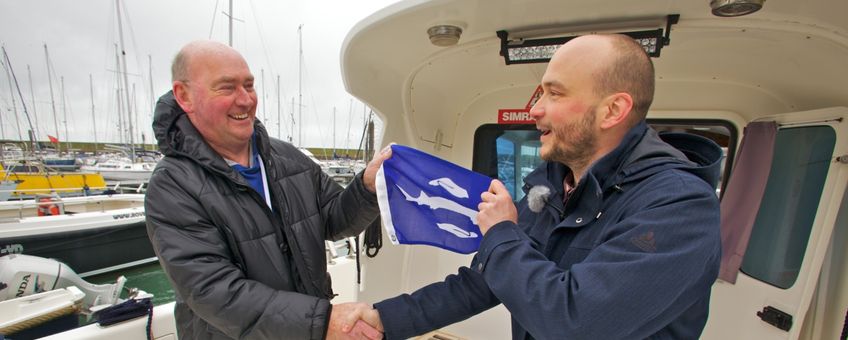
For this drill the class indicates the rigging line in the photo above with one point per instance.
(364, 132)
(322, 139)
(262, 38)
(138, 62)
(137, 130)
(349, 123)
(18, 87)
(214, 15)
(66, 105)
(52, 75)
(109, 97)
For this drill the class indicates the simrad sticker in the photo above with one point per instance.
(520, 116)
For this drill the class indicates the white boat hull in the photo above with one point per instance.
(94, 234)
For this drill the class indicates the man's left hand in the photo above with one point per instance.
(370, 176)
(497, 206)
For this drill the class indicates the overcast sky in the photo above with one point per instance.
(81, 39)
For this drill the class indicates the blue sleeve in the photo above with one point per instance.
(434, 306)
(624, 288)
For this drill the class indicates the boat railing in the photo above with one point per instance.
(137, 186)
(44, 206)
(83, 191)
(345, 247)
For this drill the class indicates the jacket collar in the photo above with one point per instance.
(551, 174)
(641, 153)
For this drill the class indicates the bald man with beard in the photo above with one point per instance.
(625, 243)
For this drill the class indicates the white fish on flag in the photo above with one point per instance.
(427, 200)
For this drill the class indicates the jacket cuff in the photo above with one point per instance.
(324, 307)
(358, 185)
(497, 235)
(396, 321)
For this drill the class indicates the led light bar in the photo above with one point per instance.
(525, 51)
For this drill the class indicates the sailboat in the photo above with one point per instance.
(41, 180)
(128, 164)
(29, 172)
(119, 166)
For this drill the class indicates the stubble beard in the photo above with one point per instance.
(574, 143)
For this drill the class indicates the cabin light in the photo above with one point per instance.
(525, 51)
(735, 8)
(444, 35)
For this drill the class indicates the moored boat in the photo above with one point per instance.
(45, 308)
(43, 181)
(92, 234)
(7, 188)
(114, 170)
(40, 297)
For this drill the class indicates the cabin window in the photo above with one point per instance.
(508, 153)
(720, 131)
(782, 228)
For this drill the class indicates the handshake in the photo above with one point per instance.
(354, 320)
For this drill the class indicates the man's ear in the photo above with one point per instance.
(618, 107)
(182, 96)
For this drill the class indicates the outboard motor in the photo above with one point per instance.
(22, 275)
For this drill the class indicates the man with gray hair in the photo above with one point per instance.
(238, 219)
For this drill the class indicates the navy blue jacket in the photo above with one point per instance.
(632, 255)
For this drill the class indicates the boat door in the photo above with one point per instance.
(792, 231)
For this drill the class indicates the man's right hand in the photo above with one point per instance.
(346, 322)
(362, 330)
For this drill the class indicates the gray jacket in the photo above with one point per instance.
(239, 269)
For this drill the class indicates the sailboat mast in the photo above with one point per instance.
(120, 115)
(12, 95)
(93, 117)
(152, 95)
(126, 81)
(334, 131)
(2, 131)
(349, 122)
(135, 108)
(52, 99)
(279, 116)
(300, 85)
(230, 16)
(18, 87)
(65, 113)
(118, 97)
(34, 131)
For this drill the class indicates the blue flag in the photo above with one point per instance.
(427, 200)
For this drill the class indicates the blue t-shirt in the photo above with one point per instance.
(253, 174)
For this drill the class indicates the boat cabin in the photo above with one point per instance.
(456, 79)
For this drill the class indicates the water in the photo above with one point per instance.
(151, 278)
(148, 277)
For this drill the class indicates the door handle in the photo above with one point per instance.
(776, 318)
